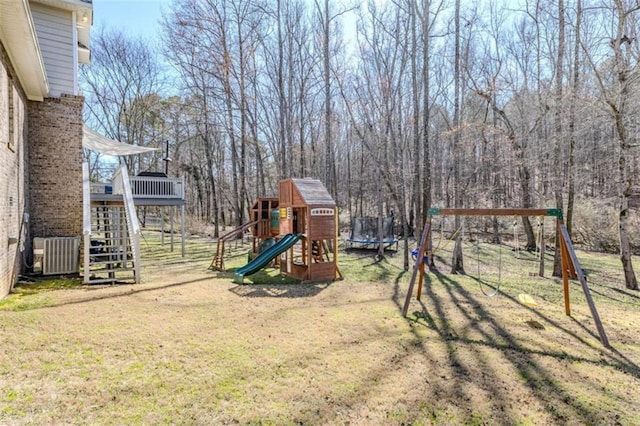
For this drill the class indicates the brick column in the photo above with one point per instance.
(55, 160)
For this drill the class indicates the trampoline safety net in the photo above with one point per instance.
(364, 232)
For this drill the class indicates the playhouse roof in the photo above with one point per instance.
(313, 192)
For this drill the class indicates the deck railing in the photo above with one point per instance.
(101, 188)
(145, 187)
(157, 187)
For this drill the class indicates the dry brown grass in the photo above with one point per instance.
(190, 347)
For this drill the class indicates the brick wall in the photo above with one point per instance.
(14, 197)
(55, 158)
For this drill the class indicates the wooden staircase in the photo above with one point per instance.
(110, 254)
(111, 233)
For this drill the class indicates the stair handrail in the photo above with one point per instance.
(86, 199)
(86, 221)
(122, 186)
(235, 231)
(116, 180)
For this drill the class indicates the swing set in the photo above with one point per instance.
(569, 261)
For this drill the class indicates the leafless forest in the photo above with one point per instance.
(394, 105)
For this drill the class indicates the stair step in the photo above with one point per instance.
(102, 280)
(113, 259)
(111, 256)
(107, 280)
(105, 270)
(111, 252)
(109, 262)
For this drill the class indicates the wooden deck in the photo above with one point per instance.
(146, 190)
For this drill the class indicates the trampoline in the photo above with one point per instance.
(364, 233)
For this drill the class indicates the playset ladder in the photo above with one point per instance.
(217, 262)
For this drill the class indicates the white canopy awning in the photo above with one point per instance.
(96, 142)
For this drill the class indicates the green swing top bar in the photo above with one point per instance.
(436, 211)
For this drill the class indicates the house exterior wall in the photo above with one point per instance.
(55, 158)
(40, 141)
(55, 29)
(13, 175)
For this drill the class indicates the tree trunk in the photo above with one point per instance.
(572, 118)
(329, 165)
(228, 99)
(557, 147)
(243, 128)
(525, 186)
(457, 263)
(417, 178)
(281, 96)
(379, 203)
(618, 110)
(625, 246)
(426, 163)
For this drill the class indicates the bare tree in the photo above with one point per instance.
(327, 18)
(573, 100)
(457, 261)
(438, 102)
(615, 90)
(118, 87)
(558, 178)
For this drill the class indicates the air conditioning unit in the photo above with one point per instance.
(56, 255)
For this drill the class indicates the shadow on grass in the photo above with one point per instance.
(135, 289)
(614, 299)
(269, 282)
(362, 252)
(551, 393)
(626, 293)
(284, 290)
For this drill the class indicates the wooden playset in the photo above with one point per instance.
(266, 223)
(307, 208)
(297, 231)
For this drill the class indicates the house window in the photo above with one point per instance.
(4, 105)
(11, 142)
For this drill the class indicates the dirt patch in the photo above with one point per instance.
(188, 346)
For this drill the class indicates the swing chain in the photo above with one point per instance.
(540, 221)
(497, 288)
(515, 237)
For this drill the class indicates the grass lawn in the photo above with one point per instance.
(188, 346)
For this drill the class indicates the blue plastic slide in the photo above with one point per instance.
(265, 257)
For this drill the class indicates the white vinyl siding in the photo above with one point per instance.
(55, 29)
